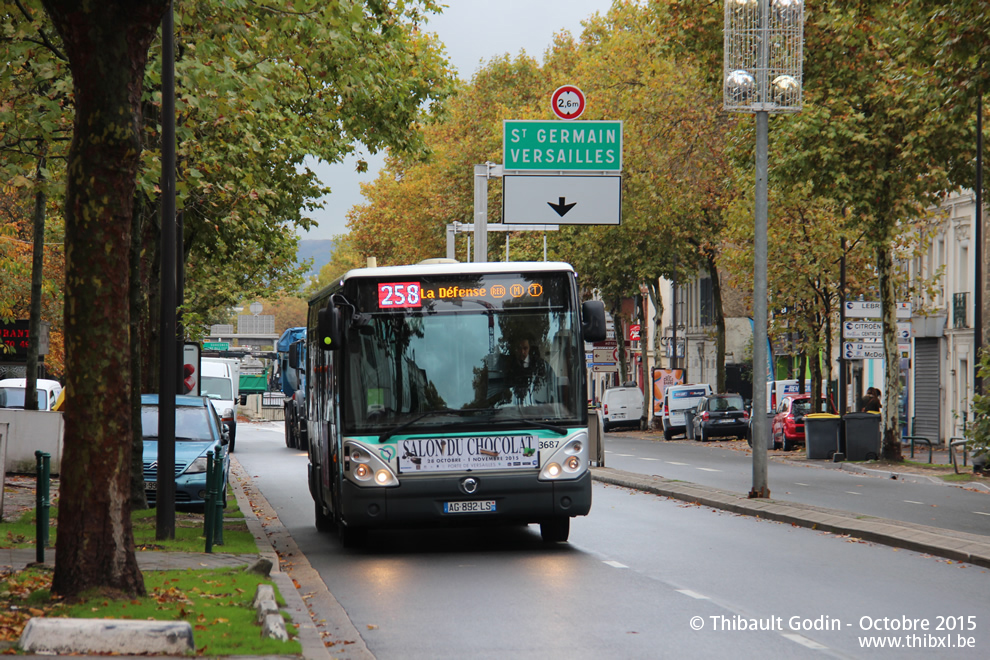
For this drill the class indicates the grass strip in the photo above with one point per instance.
(215, 602)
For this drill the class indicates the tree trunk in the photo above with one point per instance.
(719, 324)
(891, 443)
(653, 286)
(107, 47)
(644, 333)
(828, 348)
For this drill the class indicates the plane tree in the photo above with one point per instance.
(413, 200)
(676, 173)
(307, 81)
(34, 139)
(871, 138)
(259, 88)
(106, 46)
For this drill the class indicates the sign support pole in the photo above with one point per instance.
(481, 212)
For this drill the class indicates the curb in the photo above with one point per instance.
(958, 546)
(321, 620)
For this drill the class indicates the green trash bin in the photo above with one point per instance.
(862, 436)
(821, 435)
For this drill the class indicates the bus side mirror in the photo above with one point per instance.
(328, 329)
(593, 320)
(294, 355)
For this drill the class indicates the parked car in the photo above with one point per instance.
(787, 428)
(220, 381)
(621, 406)
(12, 392)
(676, 400)
(719, 416)
(198, 430)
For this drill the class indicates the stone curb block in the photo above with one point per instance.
(264, 592)
(118, 637)
(265, 608)
(272, 623)
(274, 626)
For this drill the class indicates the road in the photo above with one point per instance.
(724, 465)
(642, 577)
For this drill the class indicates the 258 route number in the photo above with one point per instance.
(393, 295)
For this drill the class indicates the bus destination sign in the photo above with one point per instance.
(404, 295)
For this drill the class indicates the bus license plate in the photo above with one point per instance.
(476, 506)
(151, 485)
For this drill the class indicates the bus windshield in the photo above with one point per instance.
(467, 358)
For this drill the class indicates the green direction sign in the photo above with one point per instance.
(216, 345)
(559, 146)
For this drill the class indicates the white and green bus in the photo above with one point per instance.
(447, 393)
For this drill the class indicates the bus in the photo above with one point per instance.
(446, 393)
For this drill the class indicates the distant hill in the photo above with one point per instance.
(319, 251)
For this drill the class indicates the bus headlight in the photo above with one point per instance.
(366, 468)
(568, 461)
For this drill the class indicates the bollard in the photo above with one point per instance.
(42, 504)
(218, 498)
(208, 504)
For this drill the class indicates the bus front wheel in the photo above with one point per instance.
(555, 530)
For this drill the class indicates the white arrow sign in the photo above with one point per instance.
(565, 200)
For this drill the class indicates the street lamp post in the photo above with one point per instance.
(764, 43)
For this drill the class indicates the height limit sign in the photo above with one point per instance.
(567, 102)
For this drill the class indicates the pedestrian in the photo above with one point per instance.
(871, 402)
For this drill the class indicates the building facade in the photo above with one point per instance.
(944, 356)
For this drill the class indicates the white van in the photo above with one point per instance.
(677, 399)
(778, 389)
(12, 392)
(621, 406)
(220, 380)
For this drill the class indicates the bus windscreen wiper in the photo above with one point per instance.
(406, 424)
(559, 430)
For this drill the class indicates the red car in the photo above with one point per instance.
(787, 427)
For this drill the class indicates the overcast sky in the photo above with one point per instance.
(473, 32)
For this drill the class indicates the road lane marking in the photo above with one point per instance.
(614, 564)
(693, 594)
(804, 641)
(676, 463)
(643, 458)
(913, 502)
(981, 513)
(624, 455)
(708, 469)
(852, 492)
(798, 483)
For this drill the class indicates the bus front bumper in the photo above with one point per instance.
(416, 501)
